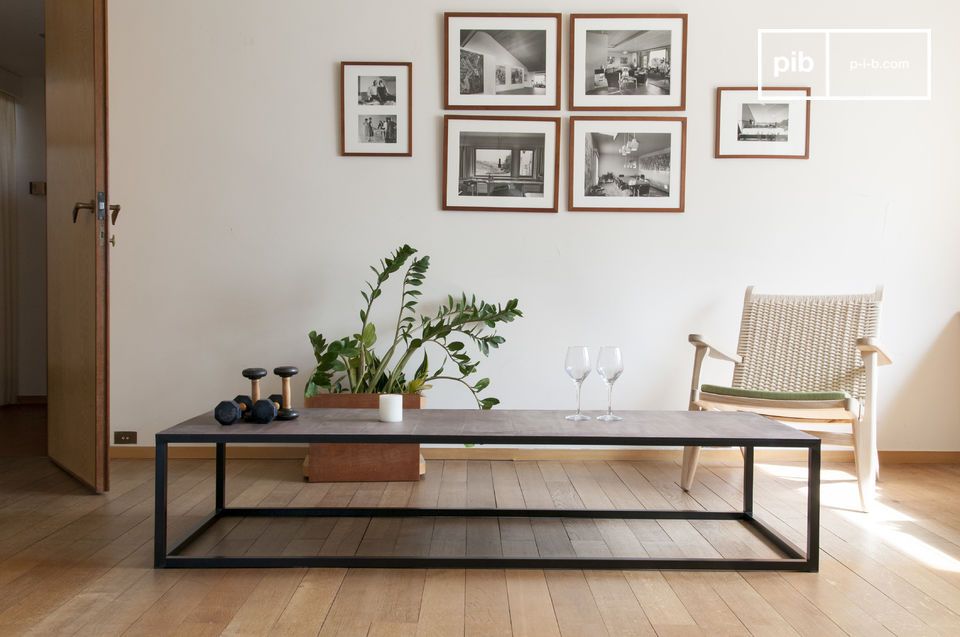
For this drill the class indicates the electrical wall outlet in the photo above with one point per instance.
(124, 437)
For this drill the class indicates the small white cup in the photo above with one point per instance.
(391, 408)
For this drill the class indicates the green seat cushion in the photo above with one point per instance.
(775, 395)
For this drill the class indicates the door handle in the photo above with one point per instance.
(77, 207)
(114, 212)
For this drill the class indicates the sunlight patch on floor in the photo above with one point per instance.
(838, 491)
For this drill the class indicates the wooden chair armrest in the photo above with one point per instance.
(870, 345)
(698, 341)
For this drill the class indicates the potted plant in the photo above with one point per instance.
(352, 371)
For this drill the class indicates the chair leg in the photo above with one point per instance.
(691, 458)
(856, 472)
(865, 456)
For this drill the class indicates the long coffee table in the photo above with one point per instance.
(440, 426)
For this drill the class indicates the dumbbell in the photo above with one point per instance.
(286, 411)
(254, 374)
(263, 412)
(228, 412)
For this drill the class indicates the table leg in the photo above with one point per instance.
(748, 480)
(221, 473)
(160, 507)
(813, 509)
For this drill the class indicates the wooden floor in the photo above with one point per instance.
(73, 563)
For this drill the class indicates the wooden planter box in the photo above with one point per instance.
(348, 462)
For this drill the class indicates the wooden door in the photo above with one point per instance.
(76, 239)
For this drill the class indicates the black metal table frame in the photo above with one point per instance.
(795, 559)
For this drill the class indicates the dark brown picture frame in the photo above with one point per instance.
(683, 162)
(343, 97)
(506, 106)
(556, 162)
(716, 129)
(629, 16)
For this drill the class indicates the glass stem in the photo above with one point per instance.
(610, 399)
(579, 392)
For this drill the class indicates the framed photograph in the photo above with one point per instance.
(501, 163)
(774, 125)
(628, 61)
(502, 61)
(627, 164)
(376, 100)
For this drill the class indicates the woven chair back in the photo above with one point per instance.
(805, 343)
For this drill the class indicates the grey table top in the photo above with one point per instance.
(502, 426)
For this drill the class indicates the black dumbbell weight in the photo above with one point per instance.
(286, 411)
(263, 412)
(227, 412)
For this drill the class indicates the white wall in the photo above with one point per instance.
(31, 241)
(242, 229)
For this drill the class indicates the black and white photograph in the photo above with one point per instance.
(376, 101)
(636, 63)
(763, 122)
(627, 164)
(506, 61)
(375, 89)
(774, 124)
(377, 129)
(500, 163)
(627, 62)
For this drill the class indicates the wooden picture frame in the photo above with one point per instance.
(650, 74)
(723, 142)
(637, 187)
(359, 103)
(496, 193)
(485, 81)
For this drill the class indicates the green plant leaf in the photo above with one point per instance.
(422, 371)
(369, 336)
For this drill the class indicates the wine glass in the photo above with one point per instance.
(577, 365)
(609, 366)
